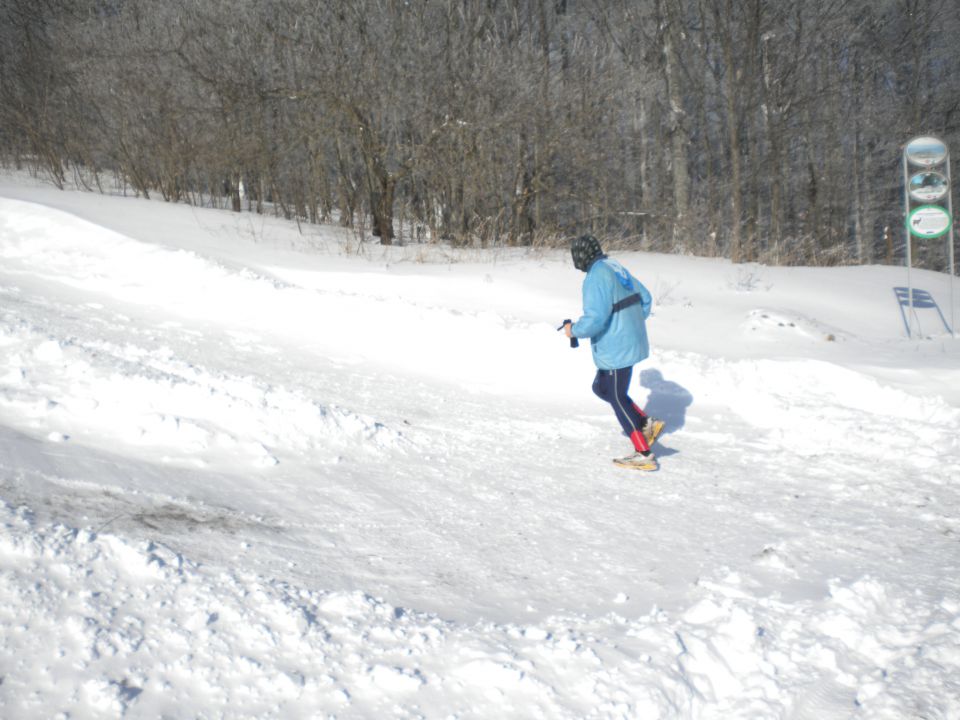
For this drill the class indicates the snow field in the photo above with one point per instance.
(809, 406)
(242, 482)
(137, 629)
(181, 283)
(191, 414)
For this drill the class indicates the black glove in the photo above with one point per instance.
(573, 341)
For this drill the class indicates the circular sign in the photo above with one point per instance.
(929, 221)
(928, 186)
(926, 151)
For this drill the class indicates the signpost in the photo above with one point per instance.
(928, 203)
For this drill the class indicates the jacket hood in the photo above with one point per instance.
(585, 250)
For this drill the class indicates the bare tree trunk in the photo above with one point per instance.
(858, 177)
(679, 133)
(733, 140)
(382, 208)
(645, 192)
(774, 166)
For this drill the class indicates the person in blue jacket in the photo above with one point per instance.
(615, 308)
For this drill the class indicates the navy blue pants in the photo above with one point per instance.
(612, 386)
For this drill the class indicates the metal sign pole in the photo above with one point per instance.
(950, 242)
(906, 225)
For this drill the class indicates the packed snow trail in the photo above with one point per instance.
(278, 490)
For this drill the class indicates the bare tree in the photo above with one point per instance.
(750, 128)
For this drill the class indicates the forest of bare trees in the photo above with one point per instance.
(759, 130)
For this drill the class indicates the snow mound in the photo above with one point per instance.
(99, 393)
(810, 406)
(776, 325)
(137, 629)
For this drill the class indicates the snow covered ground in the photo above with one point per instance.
(251, 472)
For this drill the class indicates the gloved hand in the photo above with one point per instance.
(567, 328)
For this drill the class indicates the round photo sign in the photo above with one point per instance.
(926, 151)
(929, 221)
(928, 187)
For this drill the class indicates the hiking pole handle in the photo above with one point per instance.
(573, 341)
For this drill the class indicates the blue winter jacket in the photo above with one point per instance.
(617, 339)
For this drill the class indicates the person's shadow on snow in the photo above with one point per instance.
(667, 401)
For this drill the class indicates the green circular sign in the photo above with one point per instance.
(929, 221)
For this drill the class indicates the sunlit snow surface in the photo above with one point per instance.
(251, 472)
